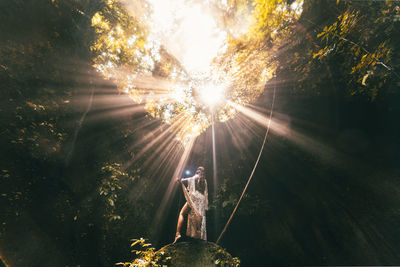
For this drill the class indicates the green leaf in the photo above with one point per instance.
(134, 243)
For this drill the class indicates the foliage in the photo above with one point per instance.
(353, 44)
(146, 255)
(367, 61)
(35, 97)
(222, 260)
(251, 54)
(49, 178)
(228, 196)
(110, 187)
(120, 41)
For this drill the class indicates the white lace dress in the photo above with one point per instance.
(198, 202)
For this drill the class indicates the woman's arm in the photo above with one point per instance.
(190, 178)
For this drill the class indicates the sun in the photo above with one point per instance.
(212, 94)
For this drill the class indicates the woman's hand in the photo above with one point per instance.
(178, 180)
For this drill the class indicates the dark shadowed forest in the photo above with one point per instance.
(99, 115)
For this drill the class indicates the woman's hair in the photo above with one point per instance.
(201, 183)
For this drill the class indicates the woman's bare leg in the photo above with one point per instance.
(185, 209)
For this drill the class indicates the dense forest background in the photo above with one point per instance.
(327, 189)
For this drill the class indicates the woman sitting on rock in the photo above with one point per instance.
(196, 195)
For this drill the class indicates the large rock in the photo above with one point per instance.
(197, 253)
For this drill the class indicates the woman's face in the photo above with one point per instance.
(199, 171)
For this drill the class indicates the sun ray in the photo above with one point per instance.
(178, 170)
(325, 152)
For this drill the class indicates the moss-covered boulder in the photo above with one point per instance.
(198, 253)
